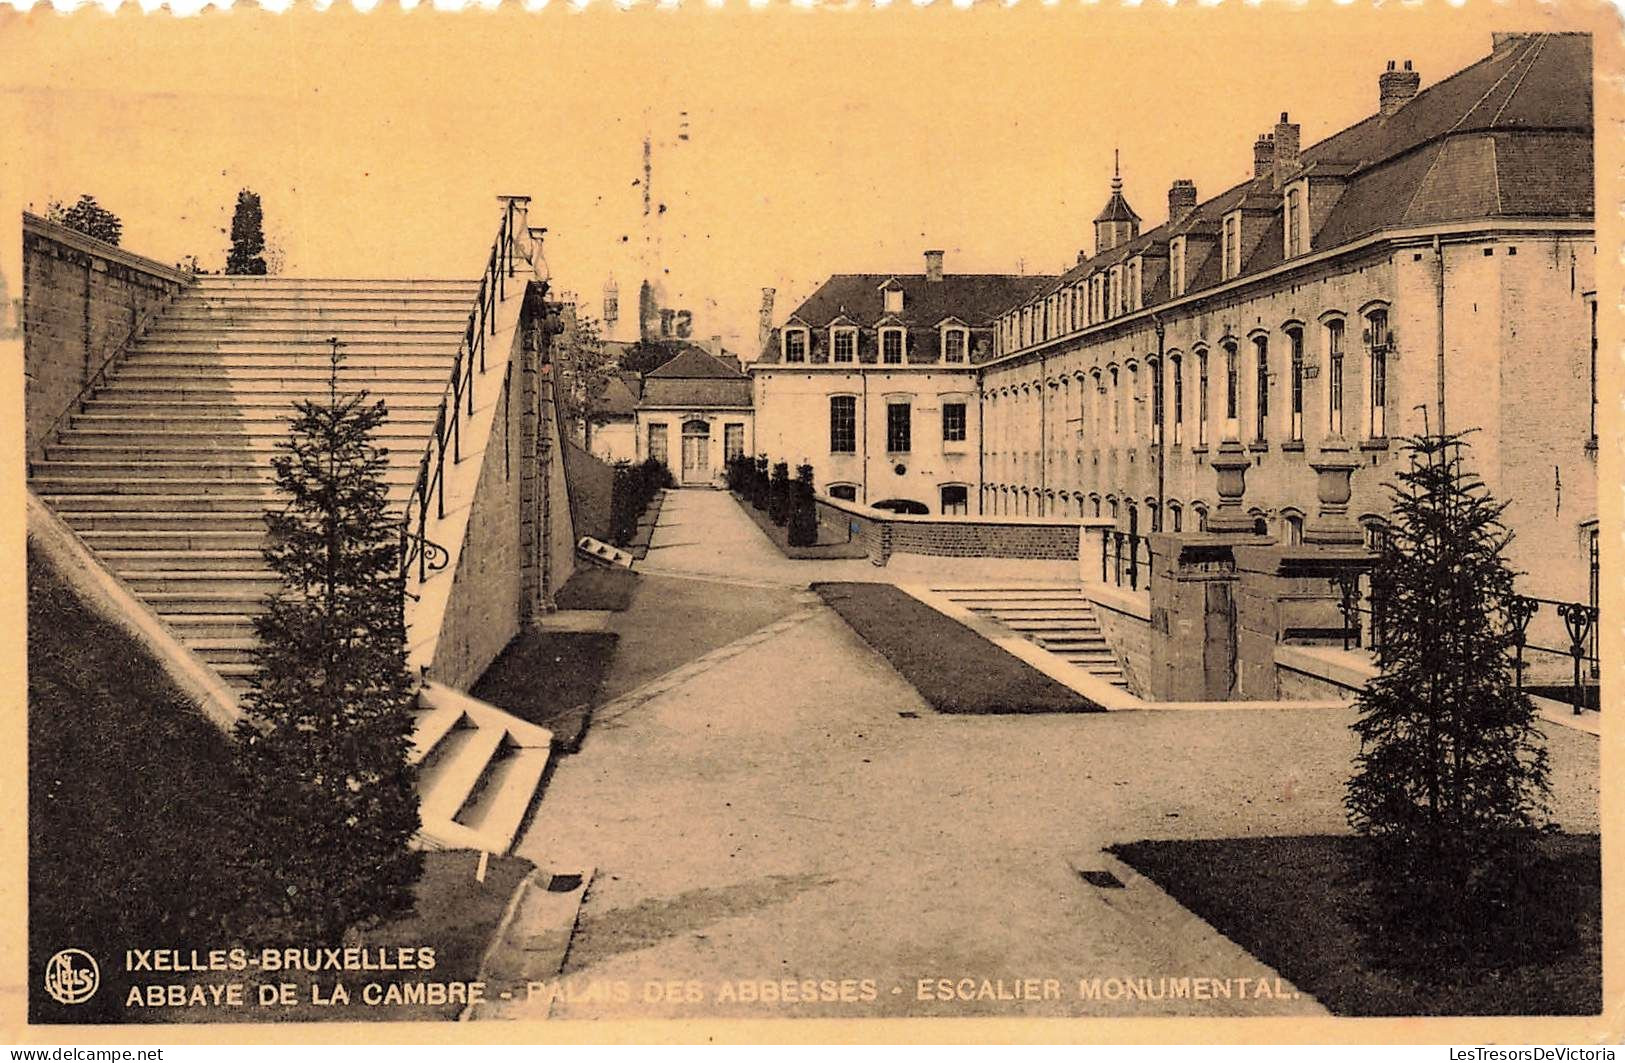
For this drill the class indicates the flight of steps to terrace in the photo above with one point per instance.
(1058, 618)
(165, 473)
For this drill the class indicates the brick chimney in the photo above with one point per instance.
(1264, 154)
(933, 266)
(1181, 200)
(1286, 149)
(764, 319)
(1395, 88)
(716, 346)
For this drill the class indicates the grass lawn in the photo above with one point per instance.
(595, 587)
(551, 678)
(1293, 902)
(127, 783)
(953, 668)
(456, 916)
(830, 545)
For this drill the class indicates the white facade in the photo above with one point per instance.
(802, 415)
(695, 444)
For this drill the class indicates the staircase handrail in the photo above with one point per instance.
(98, 379)
(416, 547)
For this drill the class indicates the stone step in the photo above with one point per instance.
(182, 525)
(222, 650)
(209, 282)
(434, 723)
(1080, 613)
(1017, 595)
(241, 499)
(350, 376)
(363, 314)
(1042, 625)
(1070, 641)
(129, 562)
(258, 356)
(329, 299)
(191, 626)
(269, 408)
(258, 447)
(172, 477)
(450, 776)
(498, 808)
(217, 390)
(313, 349)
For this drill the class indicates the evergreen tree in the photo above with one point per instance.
(1451, 777)
(329, 715)
(803, 529)
(247, 254)
(89, 217)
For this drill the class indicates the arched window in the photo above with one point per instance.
(1095, 501)
(1232, 391)
(845, 492)
(1201, 398)
(1261, 409)
(1201, 517)
(1116, 400)
(1156, 402)
(1334, 376)
(1176, 517)
(1294, 527)
(1178, 369)
(1376, 335)
(1294, 337)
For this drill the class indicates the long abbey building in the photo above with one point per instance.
(1432, 265)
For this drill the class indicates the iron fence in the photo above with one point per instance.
(1125, 559)
(416, 547)
(1365, 626)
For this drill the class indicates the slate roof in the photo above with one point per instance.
(695, 378)
(619, 398)
(1509, 136)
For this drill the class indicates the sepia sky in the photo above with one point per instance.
(819, 141)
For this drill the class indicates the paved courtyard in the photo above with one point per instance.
(768, 812)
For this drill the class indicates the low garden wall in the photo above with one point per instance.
(884, 533)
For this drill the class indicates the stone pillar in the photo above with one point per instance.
(1193, 622)
(1231, 464)
(1286, 594)
(1334, 467)
(535, 397)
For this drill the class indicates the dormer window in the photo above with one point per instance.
(1135, 295)
(955, 343)
(1295, 243)
(1232, 244)
(843, 343)
(891, 345)
(795, 345)
(894, 300)
(1176, 266)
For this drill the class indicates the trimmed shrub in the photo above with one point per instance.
(778, 494)
(803, 511)
(758, 487)
(634, 488)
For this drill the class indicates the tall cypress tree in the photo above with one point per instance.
(247, 254)
(329, 716)
(1451, 777)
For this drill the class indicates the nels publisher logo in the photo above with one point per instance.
(71, 976)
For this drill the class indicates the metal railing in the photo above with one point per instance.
(1122, 557)
(1364, 626)
(416, 546)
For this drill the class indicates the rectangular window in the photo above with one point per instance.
(733, 441)
(956, 499)
(891, 346)
(953, 422)
(1334, 377)
(795, 346)
(845, 345)
(1179, 402)
(843, 424)
(894, 301)
(898, 425)
(1377, 322)
(1295, 337)
(1261, 352)
(657, 443)
(953, 345)
(1201, 399)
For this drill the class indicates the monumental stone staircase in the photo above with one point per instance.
(165, 473)
(1057, 617)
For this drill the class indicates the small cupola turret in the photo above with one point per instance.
(1117, 223)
